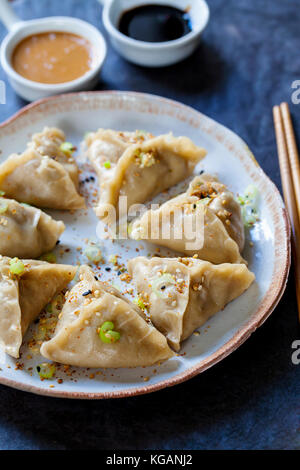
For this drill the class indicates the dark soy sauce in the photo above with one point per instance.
(155, 23)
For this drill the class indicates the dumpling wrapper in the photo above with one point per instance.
(22, 298)
(146, 169)
(186, 225)
(40, 181)
(48, 143)
(76, 340)
(222, 202)
(107, 145)
(25, 231)
(182, 294)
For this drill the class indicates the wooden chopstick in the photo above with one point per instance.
(292, 151)
(288, 190)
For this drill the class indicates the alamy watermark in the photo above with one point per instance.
(296, 353)
(182, 223)
(296, 94)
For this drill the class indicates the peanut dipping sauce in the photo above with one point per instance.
(52, 57)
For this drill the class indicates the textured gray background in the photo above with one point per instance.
(247, 61)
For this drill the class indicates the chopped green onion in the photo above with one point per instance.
(136, 233)
(93, 253)
(107, 165)
(57, 304)
(48, 308)
(116, 286)
(252, 194)
(3, 207)
(249, 202)
(16, 266)
(204, 201)
(67, 148)
(146, 159)
(49, 257)
(2, 193)
(249, 215)
(113, 259)
(160, 283)
(139, 302)
(129, 228)
(107, 333)
(46, 370)
(40, 334)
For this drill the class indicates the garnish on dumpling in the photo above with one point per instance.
(217, 197)
(39, 180)
(51, 142)
(182, 294)
(106, 146)
(205, 221)
(99, 327)
(25, 231)
(141, 170)
(26, 287)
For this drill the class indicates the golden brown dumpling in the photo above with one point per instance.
(106, 146)
(186, 225)
(146, 169)
(25, 231)
(222, 202)
(182, 294)
(88, 308)
(23, 297)
(50, 142)
(40, 181)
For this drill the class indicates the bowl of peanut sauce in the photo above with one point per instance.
(50, 56)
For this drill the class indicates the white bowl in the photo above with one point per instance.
(30, 90)
(160, 53)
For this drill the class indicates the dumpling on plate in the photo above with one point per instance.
(26, 287)
(40, 181)
(187, 225)
(25, 231)
(106, 146)
(222, 202)
(182, 294)
(145, 169)
(51, 142)
(98, 327)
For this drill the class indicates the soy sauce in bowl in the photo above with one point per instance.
(155, 23)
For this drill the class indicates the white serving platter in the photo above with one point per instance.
(230, 158)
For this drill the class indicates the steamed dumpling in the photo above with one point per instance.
(182, 294)
(39, 180)
(187, 225)
(222, 202)
(23, 297)
(25, 231)
(106, 146)
(89, 305)
(146, 169)
(50, 142)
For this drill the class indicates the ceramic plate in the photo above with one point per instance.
(230, 158)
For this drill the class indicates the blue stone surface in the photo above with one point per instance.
(246, 63)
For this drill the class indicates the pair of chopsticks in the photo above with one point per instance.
(290, 178)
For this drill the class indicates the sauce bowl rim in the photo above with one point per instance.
(54, 22)
(113, 30)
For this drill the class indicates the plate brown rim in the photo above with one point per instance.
(266, 306)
